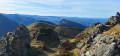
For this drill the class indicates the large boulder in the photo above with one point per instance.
(114, 20)
(16, 43)
(107, 39)
(102, 46)
(105, 50)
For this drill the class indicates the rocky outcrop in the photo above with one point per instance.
(114, 20)
(98, 45)
(16, 43)
(104, 46)
(100, 28)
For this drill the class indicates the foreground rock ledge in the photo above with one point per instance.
(16, 43)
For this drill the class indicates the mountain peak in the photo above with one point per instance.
(117, 14)
(114, 20)
(68, 23)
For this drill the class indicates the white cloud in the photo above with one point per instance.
(81, 8)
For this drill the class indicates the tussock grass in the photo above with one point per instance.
(114, 31)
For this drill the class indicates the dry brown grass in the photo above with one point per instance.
(113, 31)
(86, 46)
(97, 26)
(84, 34)
(37, 44)
(76, 52)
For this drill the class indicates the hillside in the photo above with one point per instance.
(67, 32)
(102, 39)
(68, 23)
(21, 19)
(34, 27)
(63, 32)
(6, 25)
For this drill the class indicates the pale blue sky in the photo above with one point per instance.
(74, 8)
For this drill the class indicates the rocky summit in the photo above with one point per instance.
(114, 20)
(102, 40)
(16, 43)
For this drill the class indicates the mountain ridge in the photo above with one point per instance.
(6, 25)
(55, 19)
(68, 23)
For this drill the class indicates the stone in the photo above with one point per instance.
(104, 50)
(101, 46)
(114, 20)
(97, 31)
(107, 39)
(16, 43)
(118, 14)
(79, 45)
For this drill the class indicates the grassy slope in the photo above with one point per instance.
(67, 32)
(114, 31)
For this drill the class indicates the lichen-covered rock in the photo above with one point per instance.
(106, 46)
(16, 43)
(101, 44)
(114, 20)
(104, 50)
(95, 32)
(100, 28)
(107, 39)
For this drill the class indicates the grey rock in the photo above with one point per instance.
(107, 39)
(98, 30)
(101, 46)
(104, 50)
(118, 14)
(97, 37)
(16, 43)
(79, 45)
(114, 20)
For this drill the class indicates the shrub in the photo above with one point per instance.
(45, 30)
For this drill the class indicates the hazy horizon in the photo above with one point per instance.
(71, 8)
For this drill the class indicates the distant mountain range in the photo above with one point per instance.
(6, 25)
(29, 19)
(21, 19)
(8, 22)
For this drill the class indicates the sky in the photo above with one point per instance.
(71, 8)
